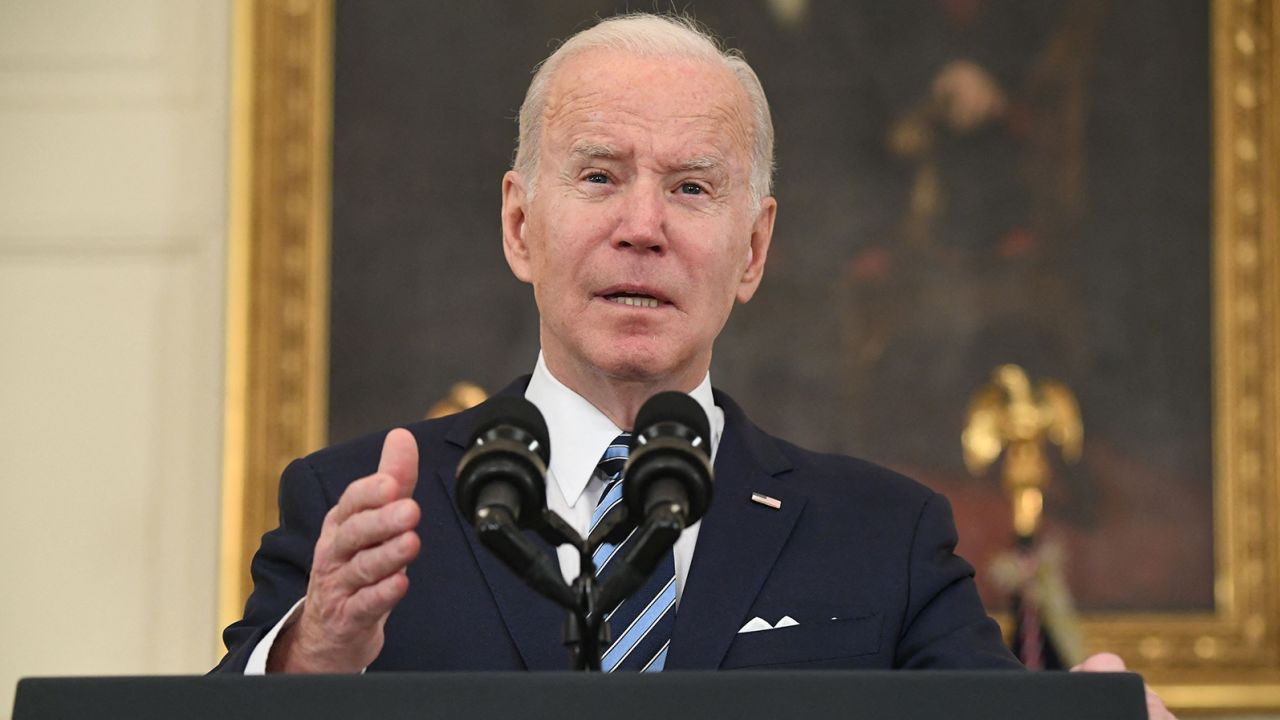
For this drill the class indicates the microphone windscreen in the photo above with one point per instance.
(517, 412)
(675, 407)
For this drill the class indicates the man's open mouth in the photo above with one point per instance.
(634, 300)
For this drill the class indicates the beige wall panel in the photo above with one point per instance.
(85, 53)
(110, 521)
(113, 126)
(109, 177)
(37, 32)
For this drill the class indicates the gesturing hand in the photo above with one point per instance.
(1109, 662)
(358, 571)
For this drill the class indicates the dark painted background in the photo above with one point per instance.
(1070, 235)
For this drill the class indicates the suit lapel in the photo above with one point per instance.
(738, 542)
(534, 622)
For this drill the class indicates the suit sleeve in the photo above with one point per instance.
(946, 626)
(282, 564)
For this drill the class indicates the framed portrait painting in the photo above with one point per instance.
(1084, 189)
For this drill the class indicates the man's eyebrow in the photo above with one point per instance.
(701, 162)
(593, 151)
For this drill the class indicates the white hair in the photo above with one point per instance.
(651, 35)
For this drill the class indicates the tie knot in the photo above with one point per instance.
(615, 457)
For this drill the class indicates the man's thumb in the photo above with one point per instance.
(400, 459)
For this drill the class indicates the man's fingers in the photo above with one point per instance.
(1156, 709)
(368, 540)
(372, 602)
(1110, 662)
(396, 477)
(371, 565)
(372, 491)
(400, 460)
(372, 527)
(1101, 662)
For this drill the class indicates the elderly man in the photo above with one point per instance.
(639, 209)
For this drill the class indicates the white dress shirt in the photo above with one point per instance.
(579, 434)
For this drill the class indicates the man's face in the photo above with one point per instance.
(641, 233)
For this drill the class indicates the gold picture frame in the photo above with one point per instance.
(278, 267)
(277, 342)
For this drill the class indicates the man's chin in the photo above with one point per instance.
(632, 371)
(638, 366)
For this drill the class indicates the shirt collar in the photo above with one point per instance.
(579, 432)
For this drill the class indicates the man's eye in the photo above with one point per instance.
(598, 178)
(691, 189)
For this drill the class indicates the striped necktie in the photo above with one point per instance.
(641, 625)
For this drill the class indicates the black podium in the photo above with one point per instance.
(574, 696)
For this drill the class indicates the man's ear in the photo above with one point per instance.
(758, 252)
(515, 206)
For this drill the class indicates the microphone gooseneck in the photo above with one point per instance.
(667, 487)
(501, 489)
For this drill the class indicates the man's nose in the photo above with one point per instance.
(643, 222)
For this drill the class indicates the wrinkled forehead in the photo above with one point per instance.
(685, 105)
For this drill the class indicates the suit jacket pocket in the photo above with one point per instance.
(823, 640)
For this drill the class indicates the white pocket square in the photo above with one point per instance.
(757, 624)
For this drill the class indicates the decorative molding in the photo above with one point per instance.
(105, 245)
(61, 37)
(278, 274)
(147, 69)
(1230, 659)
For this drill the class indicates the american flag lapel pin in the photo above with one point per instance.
(766, 501)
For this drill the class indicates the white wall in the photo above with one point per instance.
(113, 155)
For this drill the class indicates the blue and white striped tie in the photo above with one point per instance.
(642, 624)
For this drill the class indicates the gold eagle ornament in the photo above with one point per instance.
(1010, 416)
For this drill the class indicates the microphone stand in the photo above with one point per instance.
(587, 600)
(584, 629)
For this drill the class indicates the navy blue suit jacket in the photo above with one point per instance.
(861, 557)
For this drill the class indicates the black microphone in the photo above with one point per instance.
(668, 471)
(504, 470)
(501, 487)
(667, 487)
